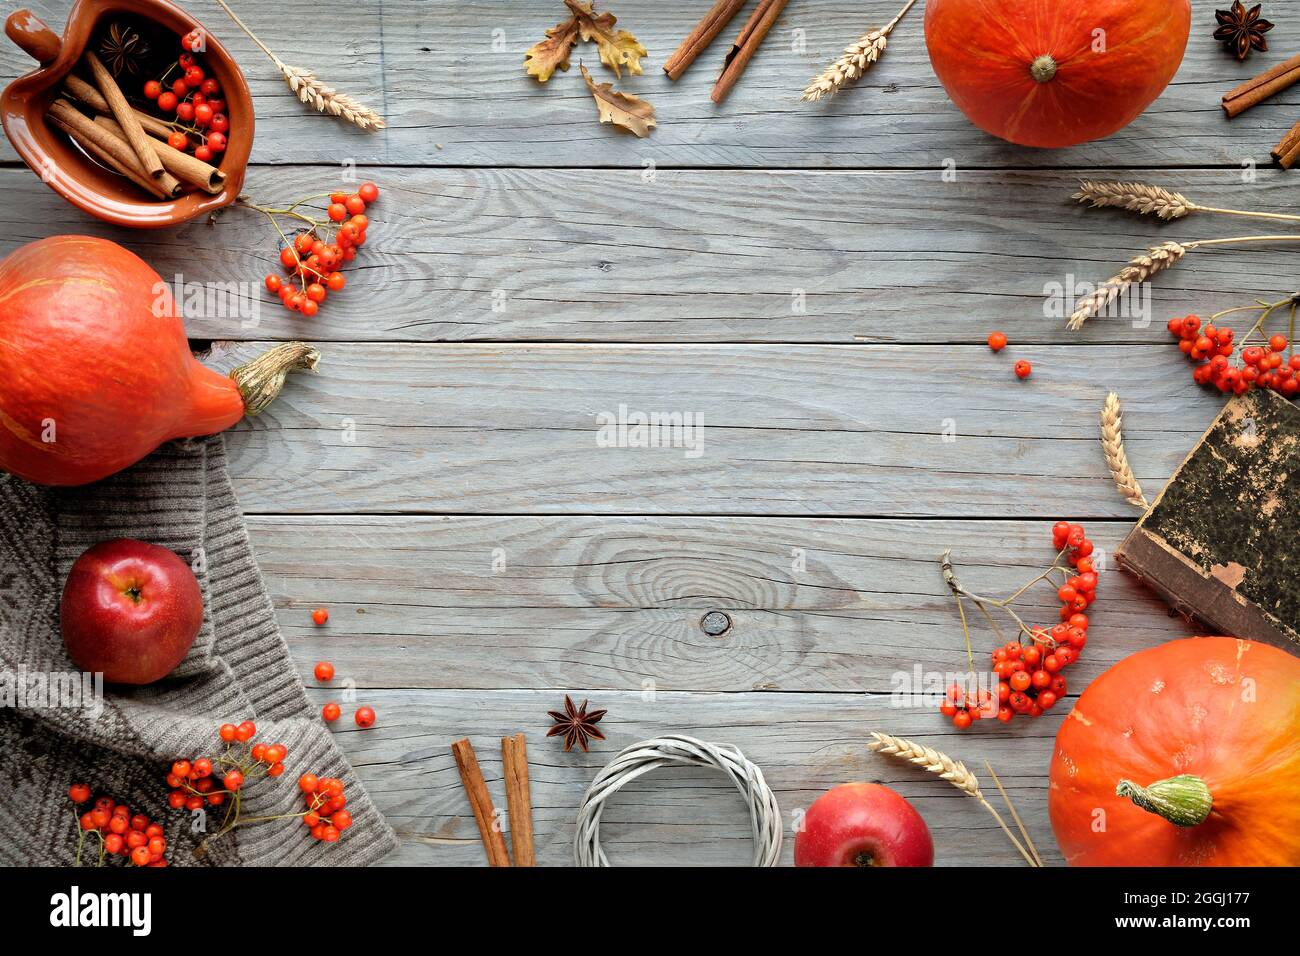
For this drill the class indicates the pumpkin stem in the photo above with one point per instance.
(1043, 69)
(260, 380)
(1184, 800)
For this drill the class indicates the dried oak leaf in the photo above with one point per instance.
(543, 59)
(629, 112)
(617, 48)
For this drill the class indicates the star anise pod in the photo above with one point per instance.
(576, 724)
(122, 48)
(1241, 29)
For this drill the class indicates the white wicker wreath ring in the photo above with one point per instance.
(633, 761)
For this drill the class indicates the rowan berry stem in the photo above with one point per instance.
(1004, 604)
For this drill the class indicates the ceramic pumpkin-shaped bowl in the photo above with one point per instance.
(70, 172)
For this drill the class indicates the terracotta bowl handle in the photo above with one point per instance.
(30, 32)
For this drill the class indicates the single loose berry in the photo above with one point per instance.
(331, 712)
(365, 716)
(997, 341)
(320, 615)
(78, 793)
(324, 671)
(1023, 369)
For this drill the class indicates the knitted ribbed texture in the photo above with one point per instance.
(239, 668)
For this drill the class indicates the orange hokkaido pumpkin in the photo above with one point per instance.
(1186, 754)
(1055, 72)
(95, 369)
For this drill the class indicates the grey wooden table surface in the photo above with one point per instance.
(803, 277)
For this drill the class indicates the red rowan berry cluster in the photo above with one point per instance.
(326, 815)
(313, 256)
(1029, 673)
(132, 836)
(207, 781)
(213, 781)
(184, 91)
(1262, 366)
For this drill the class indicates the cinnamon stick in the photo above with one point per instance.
(181, 164)
(1257, 89)
(79, 89)
(1288, 150)
(124, 114)
(746, 45)
(699, 38)
(480, 801)
(69, 117)
(514, 760)
(141, 180)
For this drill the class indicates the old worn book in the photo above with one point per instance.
(1222, 542)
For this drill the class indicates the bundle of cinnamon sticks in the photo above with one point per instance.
(1256, 90)
(514, 760)
(751, 36)
(126, 140)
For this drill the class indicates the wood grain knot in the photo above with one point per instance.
(715, 623)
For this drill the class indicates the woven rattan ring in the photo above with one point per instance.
(632, 762)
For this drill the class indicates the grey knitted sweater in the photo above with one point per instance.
(239, 668)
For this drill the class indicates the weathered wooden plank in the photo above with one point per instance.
(787, 430)
(608, 256)
(804, 743)
(618, 603)
(449, 77)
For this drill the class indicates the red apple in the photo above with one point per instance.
(131, 610)
(863, 824)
